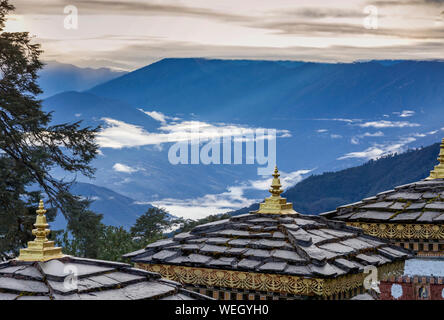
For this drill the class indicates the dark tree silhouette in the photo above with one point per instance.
(30, 146)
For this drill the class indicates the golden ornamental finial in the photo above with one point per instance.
(276, 204)
(438, 172)
(275, 189)
(41, 249)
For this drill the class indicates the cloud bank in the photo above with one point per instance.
(119, 167)
(118, 134)
(131, 34)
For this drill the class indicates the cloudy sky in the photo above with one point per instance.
(133, 33)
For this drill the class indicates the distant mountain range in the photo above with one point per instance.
(117, 209)
(330, 117)
(57, 77)
(231, 89)
(321, 193)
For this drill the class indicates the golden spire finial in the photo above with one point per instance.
(276, 204)
(41, 249)
(438, 172)
(275, 189)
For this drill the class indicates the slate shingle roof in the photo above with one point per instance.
(291, 244)
(96, 280)
(419, 202)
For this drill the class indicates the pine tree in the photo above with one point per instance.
(31, 146)
(152, 225)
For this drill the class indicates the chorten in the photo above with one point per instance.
(411, 215)
(43, 272)
(41, 249)
(276, 204)
(438, 172)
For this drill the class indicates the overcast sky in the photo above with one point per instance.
(133, 33)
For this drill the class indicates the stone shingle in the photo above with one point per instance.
(218, 241)
(372, 215)
(18, 285)
(317, 254)
(430, 195)
(192, 246)
(239, 242)
(435, 206)
(212, 226)
(161, 243)
(268, 244)
(236, 251)
(213, 249)
(300, 237)
(338, 233)
(165, 255)
(287, 255)
(378, 205)
(183, 236)
(356, 243)
(298, 270)
(405, 196)
(416, 206)
(406, 216)
(369, 259)
(249, 264)
(397, 206)
(234, 233)
(198, 258)
(223, 262)
(273, 266)
(321, 234)
(60, 269)
(337, 247)
(278, 235)
(428, 216)
(439, 219)
(258, 253)
(346, 264)
(179, 260)
(324, 271)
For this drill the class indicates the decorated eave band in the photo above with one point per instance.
(278, 283)
(401, 231)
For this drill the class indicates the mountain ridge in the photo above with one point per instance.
(238, 85)
(117, 209)
(56, 77)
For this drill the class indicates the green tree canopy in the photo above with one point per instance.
(110, 243)
(30, 146)
(153, 224)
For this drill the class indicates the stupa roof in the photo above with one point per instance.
(43, 272)
(96, 280)
(420, 202)
(274, 239)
